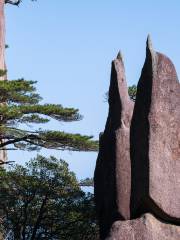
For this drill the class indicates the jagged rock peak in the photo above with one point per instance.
(150, 50)
(149, 42)
(120, 56)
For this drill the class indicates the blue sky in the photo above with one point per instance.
(68, 46)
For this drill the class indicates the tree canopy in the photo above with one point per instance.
(87, 182)
(132, 90)
(20, 106)
(43, 200)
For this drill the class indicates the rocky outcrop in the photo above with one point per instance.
(155, 140)
(113, 168)
(138, 166)
(146, 227)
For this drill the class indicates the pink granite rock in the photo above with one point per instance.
(147, 227)
(113, 168)
(155, 140)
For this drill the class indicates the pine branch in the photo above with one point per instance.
(33, 118)
(22, 106)
(16, 3)
(51, 140)
(67, 141)
(2, 72)
(16, 140)
(7, 162)
(19, 91)
(16, 113)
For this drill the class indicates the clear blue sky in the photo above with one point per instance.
(67, 46)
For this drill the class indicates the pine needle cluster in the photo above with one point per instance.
(20, 105)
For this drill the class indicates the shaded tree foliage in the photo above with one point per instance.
(43, 200)
(23, 107)
(87, 182)
(132, 90)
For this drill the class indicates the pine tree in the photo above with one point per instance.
(20, 104)
(23, 107)
(132, 90)
(3, 153)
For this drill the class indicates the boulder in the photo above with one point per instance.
(147, 227)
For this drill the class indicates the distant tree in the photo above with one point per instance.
(23, 107)
(132, 90)
(43, 200)
(87, 182)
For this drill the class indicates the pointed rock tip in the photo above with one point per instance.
(119, 56)
(149, 42)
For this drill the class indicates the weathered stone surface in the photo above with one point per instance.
(155, 140)
(113, 168)
(145, 228)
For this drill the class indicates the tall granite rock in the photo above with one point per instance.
(113, 168)
(155, 140)
(138, 166)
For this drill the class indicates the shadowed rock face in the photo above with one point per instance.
(145, 228)
(113, 168)
(155, 140)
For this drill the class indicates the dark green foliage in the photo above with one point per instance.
(132, 92)
(2, 72)
(20, 103)
(18, 113)
(19, 91)
(87, 182)
(44, 201)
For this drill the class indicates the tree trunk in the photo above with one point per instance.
(3, 153)
(2, 37)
